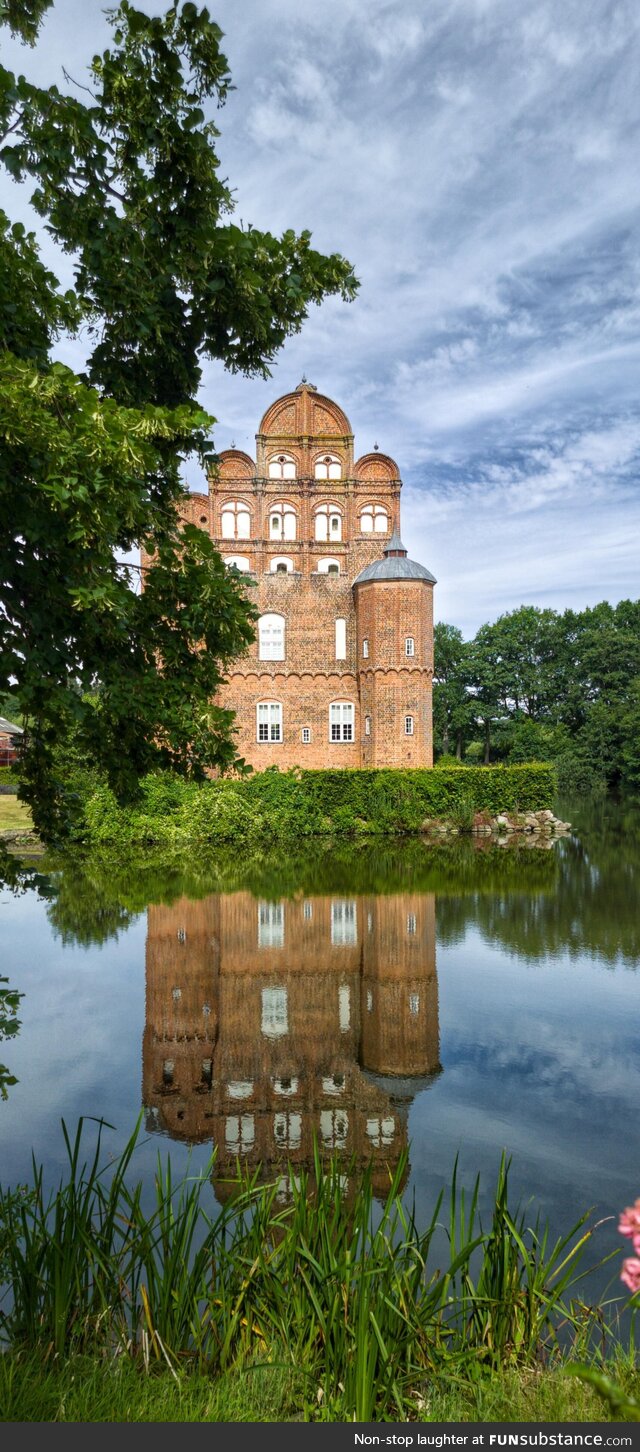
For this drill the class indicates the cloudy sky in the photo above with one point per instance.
(478, 162)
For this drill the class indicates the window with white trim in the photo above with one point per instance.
(344, 922)
(409, 645)
(414, 1003)
(281, 565)
(408, 725)
(374, 519)
(282, 466)
(306, 735)
(275, 1012)
(365, 648)
(270, 924)
(341, 721)
(239, 1133)
(269, 721)
(334, 1127)
(367, 725)
(282, 521)
(411, 923)
(328, 522)
(238, 562)
(235, 520)
(341, 639)
(287, 1130)
(328, 567)
(271, 637)
(328, 467)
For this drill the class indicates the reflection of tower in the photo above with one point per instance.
(292, 997)
(181, 1025)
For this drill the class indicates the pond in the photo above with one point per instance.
(390, 997)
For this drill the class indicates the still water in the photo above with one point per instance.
(445, 1000)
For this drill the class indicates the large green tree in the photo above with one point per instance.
(126, 176)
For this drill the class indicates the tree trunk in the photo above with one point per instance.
(487, 743)
(459, 746)
(445, 739)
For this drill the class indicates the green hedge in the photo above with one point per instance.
(273, 805)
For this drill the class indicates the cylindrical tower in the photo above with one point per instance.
(394, 628)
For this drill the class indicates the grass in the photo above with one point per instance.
(14, 815)
(289, 1301)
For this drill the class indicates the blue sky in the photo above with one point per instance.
(477, 161)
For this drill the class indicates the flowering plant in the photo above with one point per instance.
(629, 1225)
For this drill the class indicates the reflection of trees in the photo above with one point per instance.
(593, 908)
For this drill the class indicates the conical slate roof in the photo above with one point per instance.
(394, 565)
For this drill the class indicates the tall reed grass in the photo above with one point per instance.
(367, 1306)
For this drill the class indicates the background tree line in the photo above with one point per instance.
(537, 684)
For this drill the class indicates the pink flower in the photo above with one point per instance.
(630, 1274)
(629, 1223)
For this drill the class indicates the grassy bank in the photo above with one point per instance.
(14, 815)
(289, 1299)
(85, 1389)
(286, 806)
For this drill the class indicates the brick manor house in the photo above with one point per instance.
(341, 671)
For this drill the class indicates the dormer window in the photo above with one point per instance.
(328, 523)
(374, 520)
(328, 567)
(282, 521)
(282, 466)
(328, 467)
(281, 565)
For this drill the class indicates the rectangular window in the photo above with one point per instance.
(341, 640)
(411, 923)
(270, 924)
(275, 1012)
(365, 648)
(307, 911)
(367, 725)
(408, 725)
(269, 721)
(341, 721)
(344, 925)
(409, 645)
(306, 735)
(414, 1003)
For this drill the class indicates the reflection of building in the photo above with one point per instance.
(266, 1022)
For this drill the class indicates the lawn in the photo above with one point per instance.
(14, 815)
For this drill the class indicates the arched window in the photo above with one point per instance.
(341, 721)
(281, 565)
(269, 721)
(282, 466)
(365, 648)
(374, 519)
(328, 467)
(235, 520)
(328, 567)
(271, 637)
(328, 520)
(282, 521)
(237, 562)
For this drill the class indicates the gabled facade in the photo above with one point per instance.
(340, 674)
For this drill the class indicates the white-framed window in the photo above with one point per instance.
(334, 1127)
(344, 922)
(281, 466)
(367, 725)
(374, 519)
(369, 1001)
(240, 1088)
(328, 567)
(287, 1129)
(409, 645)
(408, 725)
(239, 1133)
(328, 467)
(269, 721)
(275, 1012)
(270, 924)
(271, 637)
(238, 562)
(282, 521)
(176, 994)
(381, 1131)
(285, 1086)
(235, 520)
(306, 735)
(181, 935)
(281, 565)
(341, 721)
(414, 1003)
(411, 923)
(307, 911)
(341, 639)
(365, 648)
(328, 522)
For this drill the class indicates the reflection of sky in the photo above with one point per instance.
(541, 1059)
